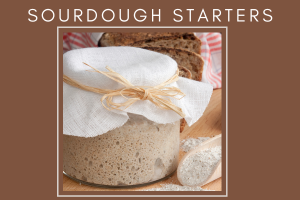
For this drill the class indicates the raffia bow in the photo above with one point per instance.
(153, 94)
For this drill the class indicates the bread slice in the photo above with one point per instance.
(188, 41)
(190, 60)
(123, 39)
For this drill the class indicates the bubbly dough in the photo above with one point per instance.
(140, 151)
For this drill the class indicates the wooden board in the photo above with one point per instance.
(208, 125)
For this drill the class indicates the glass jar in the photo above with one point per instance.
(139, 152)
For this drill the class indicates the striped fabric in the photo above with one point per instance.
(211, 52)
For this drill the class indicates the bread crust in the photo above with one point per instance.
(188, 42)
(123, 38)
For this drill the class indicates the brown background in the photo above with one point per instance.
(262, 89)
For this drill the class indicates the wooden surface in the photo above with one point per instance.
(208, 125)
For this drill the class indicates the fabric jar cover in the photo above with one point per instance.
(85, 116)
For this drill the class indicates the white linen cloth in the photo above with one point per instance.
(85, 116)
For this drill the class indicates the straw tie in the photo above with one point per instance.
(157, 94)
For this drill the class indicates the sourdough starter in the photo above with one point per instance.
(140, 151)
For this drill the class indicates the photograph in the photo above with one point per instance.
(142, 111)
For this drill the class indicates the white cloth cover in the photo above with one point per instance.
(83, 113)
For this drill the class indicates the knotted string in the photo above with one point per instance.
(133, 93)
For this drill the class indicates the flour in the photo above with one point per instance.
(173, 187)
(196, 169)
(192, 143)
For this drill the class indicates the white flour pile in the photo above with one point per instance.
(196, 168)
(192, 143)
(173, 187)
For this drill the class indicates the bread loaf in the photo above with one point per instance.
(188, 41)
(190, 60)
(123, 39)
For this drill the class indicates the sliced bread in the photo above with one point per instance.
(123, 39)
(190, 60)
(188, 41)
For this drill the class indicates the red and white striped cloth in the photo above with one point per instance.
(211, 52)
